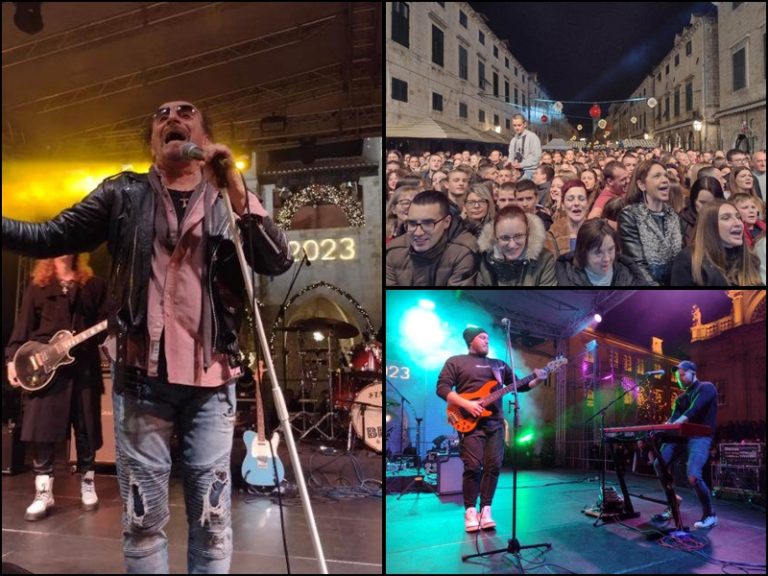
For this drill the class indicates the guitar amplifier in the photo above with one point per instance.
(751, 454)
(742, 480)
(450, 473)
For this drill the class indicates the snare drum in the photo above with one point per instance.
(366, 416)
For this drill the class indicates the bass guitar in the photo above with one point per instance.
(464, 422)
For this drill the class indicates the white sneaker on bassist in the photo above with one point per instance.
(470, 520)
(43, 498)
(486, 522)
(88, 498)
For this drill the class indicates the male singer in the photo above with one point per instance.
(176, 296)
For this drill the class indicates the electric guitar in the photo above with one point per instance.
(258, 468)
(464, 422)
(36, 363)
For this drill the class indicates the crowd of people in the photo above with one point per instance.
(614, 217)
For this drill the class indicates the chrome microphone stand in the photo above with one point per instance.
(282, 410)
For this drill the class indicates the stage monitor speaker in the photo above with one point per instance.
(450, 473)
(105, 454)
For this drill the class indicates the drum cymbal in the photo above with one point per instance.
(326, 326)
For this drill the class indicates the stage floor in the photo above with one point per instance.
(425, 534)
(71, 541)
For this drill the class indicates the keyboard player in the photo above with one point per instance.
(698, 405)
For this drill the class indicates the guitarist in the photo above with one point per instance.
(62, 295)
(482, 449)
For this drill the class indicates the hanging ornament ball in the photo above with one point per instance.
(544, 118)
(579, 127)
(594, 112)
(602, 123)
(558, 106)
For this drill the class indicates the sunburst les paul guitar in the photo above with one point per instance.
(36, 362)
(464, 422)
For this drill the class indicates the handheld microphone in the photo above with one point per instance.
(191, 151)
(505, 321)
(655, 373)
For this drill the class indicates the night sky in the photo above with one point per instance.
(589, 50)
(665, 314)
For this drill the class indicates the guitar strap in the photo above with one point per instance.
(495, 368)
(73, 309)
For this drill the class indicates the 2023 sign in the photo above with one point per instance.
(328, 249)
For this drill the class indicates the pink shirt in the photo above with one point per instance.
(606, 196)
(174, 301)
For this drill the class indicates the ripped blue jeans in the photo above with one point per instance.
(146, 410)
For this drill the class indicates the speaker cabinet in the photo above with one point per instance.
(450, 474)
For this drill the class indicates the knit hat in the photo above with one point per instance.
(471, 333)
(686, 365)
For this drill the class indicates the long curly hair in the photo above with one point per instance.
(44, 271)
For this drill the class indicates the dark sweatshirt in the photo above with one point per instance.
(698, 404)
(468, 373)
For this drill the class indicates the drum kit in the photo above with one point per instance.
(349, 398)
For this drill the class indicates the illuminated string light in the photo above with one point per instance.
(315, 195)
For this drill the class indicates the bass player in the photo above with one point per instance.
(482, 449)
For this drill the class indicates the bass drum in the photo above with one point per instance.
(366, 416)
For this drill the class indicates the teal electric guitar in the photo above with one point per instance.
(259, 465)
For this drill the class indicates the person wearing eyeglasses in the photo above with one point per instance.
(432, 252)
(479, 209)
(175, 296)
(513, 252)
(397, 211)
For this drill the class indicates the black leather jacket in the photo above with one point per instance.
(121, 212)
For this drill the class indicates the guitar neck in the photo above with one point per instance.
(491, 398)
(82, 336)
(259, 406)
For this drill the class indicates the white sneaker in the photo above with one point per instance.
(470, 520)
(708, 522)
(486, 522)
(43, 498)
(88, 498)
